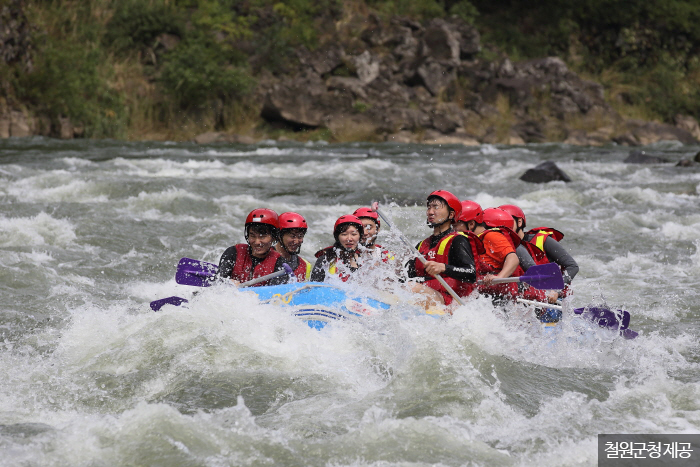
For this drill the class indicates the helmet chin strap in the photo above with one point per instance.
(438, 224)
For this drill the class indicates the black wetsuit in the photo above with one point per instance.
(228, 260)
(557, 254)
(460, 259)
(524, 257)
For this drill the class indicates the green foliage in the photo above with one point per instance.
(136, 23)
(464, 10)
(219, 17)
(361, 107)
(67, 81)
(416, 9)
(666, 90)
(199, 70)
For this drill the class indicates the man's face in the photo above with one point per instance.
(292, 240)
(370, 230)
(461, 226)
(260, 242)
(437, 212)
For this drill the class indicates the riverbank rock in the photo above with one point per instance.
(212, 137)
(689, 124)
(400, 76)
(545, 172)
(20, 124)
(640, 133)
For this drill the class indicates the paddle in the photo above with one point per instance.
(158, 304)
(195, 272)
(602, 316)
(542, 276)
(189, 273)
(375, 208)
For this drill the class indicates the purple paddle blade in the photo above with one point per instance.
(606, 318)
(544, 276)
(158, 304)
(195, 272)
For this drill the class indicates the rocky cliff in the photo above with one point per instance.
(399, 81)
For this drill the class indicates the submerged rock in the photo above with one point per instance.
(545, 172)
(641, 157)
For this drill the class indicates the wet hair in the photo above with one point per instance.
(261, 229)
(294, 230)
(440, 200)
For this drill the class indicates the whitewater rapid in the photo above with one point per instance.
(91, 232)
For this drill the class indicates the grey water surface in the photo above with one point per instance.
(91, 232)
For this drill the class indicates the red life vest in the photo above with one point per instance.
(303, 270)
(541, 234)
(440, 254)
(538, 256)
(243, 270)
(477, 252)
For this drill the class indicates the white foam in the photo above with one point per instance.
(677, 231)
(57, 186)
(41, 229)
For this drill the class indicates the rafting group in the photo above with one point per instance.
(471, 250)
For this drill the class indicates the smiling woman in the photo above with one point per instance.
(341, 257)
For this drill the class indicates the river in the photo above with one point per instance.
(91, 232)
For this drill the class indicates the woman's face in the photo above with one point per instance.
(350, 238)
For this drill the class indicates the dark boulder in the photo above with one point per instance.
(303, 103)
(641, 157)
(697, 157)
(684, 163)
(323, 60)
(441, 42)
(545, 172)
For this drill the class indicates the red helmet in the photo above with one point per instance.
(514, 211)
(347, 219)
(263, 216)
(368, 213)
(292, 220)
(471, 211)
(495, 217)
(451, 200)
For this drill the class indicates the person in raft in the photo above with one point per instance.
(544, 247)
(343, 257)
(494, 228)
(448, 253)
(293, 228)
(256, 258)
(370, 231)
